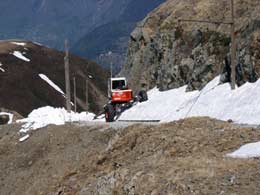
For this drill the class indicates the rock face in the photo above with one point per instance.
(4, 119)
(168, 53)
(22, 89)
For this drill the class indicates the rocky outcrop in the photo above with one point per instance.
(168, 53)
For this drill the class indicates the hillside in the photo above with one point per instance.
(168, 53)
(114, 35)
(32, 76)
(185, 157)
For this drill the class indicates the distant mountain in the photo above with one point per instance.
(27, 71)
(107, 43)
(50, 22)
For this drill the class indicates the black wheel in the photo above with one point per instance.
(109, 113)
(143, 96)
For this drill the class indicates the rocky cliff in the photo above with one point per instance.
(168, 52)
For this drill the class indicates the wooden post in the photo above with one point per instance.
(87, 107)
(67, 77)
(233, 48)
(111, 70)
(75, 94)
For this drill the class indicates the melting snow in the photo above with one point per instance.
(24, 138)
(37, 43)
(19, 55)
(1, 69)
(216, 101)
(52, 84)
(251, 150)
(42, 117)
(19, 43)
(10, 116)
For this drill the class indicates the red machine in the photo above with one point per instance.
(120, 98)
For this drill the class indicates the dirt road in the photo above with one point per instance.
(184, 157)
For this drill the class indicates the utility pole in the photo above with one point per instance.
(87, 107)
(75, 94)
(111, 70)
(111, 64)
(233, 40)
(87, 75)
(67, 77)
(233, 48)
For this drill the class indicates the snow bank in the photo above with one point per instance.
(216, 101)
(42, 117)
(52, 84)
(10, 116)
(251, 150)
(19, 55)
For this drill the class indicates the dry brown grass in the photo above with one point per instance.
(184, 157)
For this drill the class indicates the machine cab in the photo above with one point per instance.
(118, 90)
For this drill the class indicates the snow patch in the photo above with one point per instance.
(52, 84)
(251, 150)
(1, 69)
(19, 55)
(45, 116)
(19, 43)
(10, 116)
(36, 43)
(214, 100)
(22, 139)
